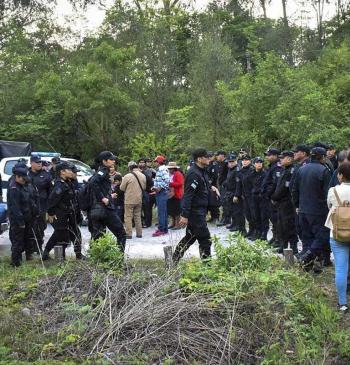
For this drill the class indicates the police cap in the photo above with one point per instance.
(74, 168)
(63, 166)
(231, 157)
(258, 159)
(246, 157)
(272, 151)
(106, 155)
(287, 154)
(302, 148)
(21, 170)
(318, 151)
(35, 158)
(55, 160)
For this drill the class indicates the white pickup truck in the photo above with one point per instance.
(6, 165)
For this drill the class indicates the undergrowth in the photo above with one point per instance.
(242, 307)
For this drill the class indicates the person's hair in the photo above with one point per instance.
(344, 169)
(343, 156)
(199, 152)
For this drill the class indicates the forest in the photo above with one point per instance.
(165, 77)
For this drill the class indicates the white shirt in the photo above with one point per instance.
(343, 191)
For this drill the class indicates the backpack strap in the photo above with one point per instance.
(138, 181)
(337, 197)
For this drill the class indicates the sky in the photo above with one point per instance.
(94, 15)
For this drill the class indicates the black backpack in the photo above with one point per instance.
(85, 197)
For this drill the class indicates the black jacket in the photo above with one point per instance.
(196, 192)
(22, 203)
(101, 187)
(62, 200)
(257, 178)
(272, 175)
(41, 181)
(245, 183)
(222, 170)
(231, 182)
(310, 188)
(282, 192)
(213, 173)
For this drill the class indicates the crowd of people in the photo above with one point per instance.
(295, 194)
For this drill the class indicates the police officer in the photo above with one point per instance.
(282, 198)
(195, 207)
(260, 210)
(244, 192)
(222, 171)
(103, 212)
(273, 172)
(42, 182)
(22, 204)
(213, 174)
(76, 218)
(234, 205)
(309, 195)
(60, 208)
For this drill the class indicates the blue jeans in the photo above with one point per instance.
(162, 208)
(341, 258)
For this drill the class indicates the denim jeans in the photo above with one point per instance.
(341, 258)
(162, 208)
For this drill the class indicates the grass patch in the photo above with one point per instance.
(242, 307)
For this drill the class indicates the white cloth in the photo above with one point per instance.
(343, 191)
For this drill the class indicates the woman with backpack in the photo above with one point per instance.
(339, 223)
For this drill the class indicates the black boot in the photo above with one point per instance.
(80, 256)
(263, 236)
(45, 256)
(306, 260)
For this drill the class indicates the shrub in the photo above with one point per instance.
(105, 252)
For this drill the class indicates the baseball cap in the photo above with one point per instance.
(302, 148)
(287, 154)
(160, 159)
(318, 151)
(258, 159)
(106, 155)
(63, 166)
(231, 157)
(35, 158)
(272, 151)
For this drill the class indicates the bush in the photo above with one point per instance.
(105, 252)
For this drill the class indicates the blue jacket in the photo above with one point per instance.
(310, 188)
(334, 180)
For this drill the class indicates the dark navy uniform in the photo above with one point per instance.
(22, 204)
(244, 192)
(213, 174)
(103, 216)
(42, 182)
(267, 189)
(309, 195)
(61, 205)
(260, 210)
(195, 207)
(235, 210)
(222, 171)
(282, 197)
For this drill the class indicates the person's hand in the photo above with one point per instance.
(114, 195)
(297, 210)
(51, 218)
(235, 199)
(215, 190)
(273, 202)
(183, 222)
(157, 190)
(105, 201)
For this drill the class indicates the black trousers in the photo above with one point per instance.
(22, 239)
(260, 213)
(39, 229)
(274, 219)
(147, 210)
(237, 215)
(248, 208)
(314, 234)
(197, 229)
(102, 218)
(62, 234)
(286, 228)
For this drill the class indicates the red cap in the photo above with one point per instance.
(160, 159)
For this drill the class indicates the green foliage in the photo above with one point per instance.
(105, 252)
(249, 273)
